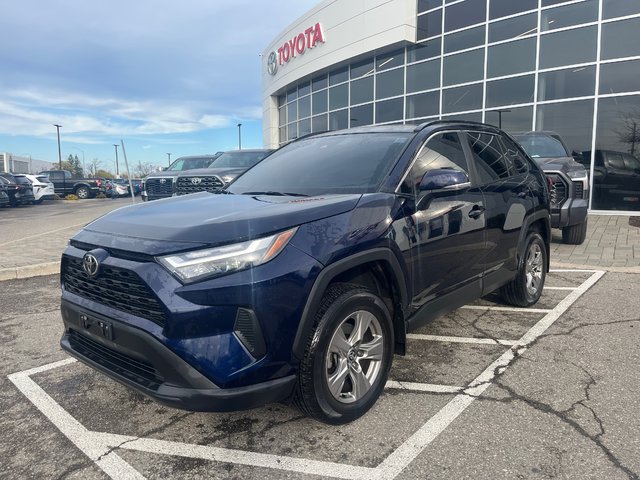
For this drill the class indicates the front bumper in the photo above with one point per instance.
(572, 212)
(136, 359)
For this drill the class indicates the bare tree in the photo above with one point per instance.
(630, 130)
(145, 169)
(94, 166)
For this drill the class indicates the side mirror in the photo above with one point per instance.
(444, 179)
(162, 169)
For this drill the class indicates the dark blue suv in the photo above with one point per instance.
(300, 280)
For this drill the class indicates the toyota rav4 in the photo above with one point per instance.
(301, 278)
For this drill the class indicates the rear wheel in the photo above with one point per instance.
(526, 288)
(83, 192)
(348, 356)
(574, 234)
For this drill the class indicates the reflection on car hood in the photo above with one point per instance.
(230, 171)
(209, 219)
(558, 164)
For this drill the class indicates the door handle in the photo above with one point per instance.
(522, 194)
(476, 211)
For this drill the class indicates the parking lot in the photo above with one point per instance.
(485, 392)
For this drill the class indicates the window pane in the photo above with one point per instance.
(319, 123)
(489, 158)
(304, 106)
(617, 138)
(573, 82)
(464, 67)
(282, 116)
(304, 127)
(513, 57)
(390, 60)
(319, 83)
(573, 121)
(620, 39)
(517, 162)
(282, 137)
(292, 95)
(466, 117)
(462, 98)
(620, 77)
(619, 8)
(423, 76)
(568, 47)
(292, 130)
(362, 115)
(510, 91)
(429, 25)
(339, 120)
(569, 15)
(362, 69)
(424, 5)
(511, 120)
(282, 99)
(502, 8)
(389, 110)
(424, 50)
(513, 27)
(304, 89)
(464, 39)
(390, 84)
(464, 14)
(292, 112)
(362, 90)
(339, 96)
(319, 102)
(339, 76)
(423, 104)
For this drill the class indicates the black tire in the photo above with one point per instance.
(340, 304)
(37, 202)
(519, 291)
(575, 234)
(83, 192)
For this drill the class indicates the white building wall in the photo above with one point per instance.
(351, 28)
(21, 164)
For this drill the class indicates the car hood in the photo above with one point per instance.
(166, 173)
(558, 164)
(208, 219)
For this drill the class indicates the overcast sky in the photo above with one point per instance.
(165, 76)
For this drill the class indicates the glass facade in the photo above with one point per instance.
(572, 67)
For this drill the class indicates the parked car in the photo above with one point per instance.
(43, 188)
(116, 189)
(19, 189)
(223, 170)
(4, 195)
(616, 179)
(161, 184)
(301, 278)
(64, 184)
(569, 183)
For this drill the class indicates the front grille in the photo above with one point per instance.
(578, 187)
(186, 185)
(558, 190)
(156, 188)
(115, 287)
(137, 371)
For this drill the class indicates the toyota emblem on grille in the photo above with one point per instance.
(196, 181)
(90, 264)
(163, 180)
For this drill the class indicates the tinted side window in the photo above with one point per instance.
(443, 150)
(615, 160)
(518, 163)
(489, 157)
(55, 175)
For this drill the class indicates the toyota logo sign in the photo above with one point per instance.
(272, 63)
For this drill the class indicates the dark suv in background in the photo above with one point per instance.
(301, 279)
(161, 184)
(569, 182)
(19, 189)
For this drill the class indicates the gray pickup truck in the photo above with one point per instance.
(568, 183)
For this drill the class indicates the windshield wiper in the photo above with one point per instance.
(278, 194)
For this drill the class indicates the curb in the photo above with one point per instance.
(37, 270)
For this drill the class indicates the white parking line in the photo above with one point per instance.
(506, 309)
(569, 289)
(97, 445)
(442, 338)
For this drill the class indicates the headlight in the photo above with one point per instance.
(211, 262)
(227, 178)
(578, 174)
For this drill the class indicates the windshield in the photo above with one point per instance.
(190, 163)
(238, 159)
(542, 146)
(344, 163)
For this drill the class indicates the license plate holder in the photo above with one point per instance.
(97, 327)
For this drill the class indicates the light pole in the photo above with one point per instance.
(59, 151)
(169, 157)
(84, 171)
(239, 136)
(117, 170)
(500, 112)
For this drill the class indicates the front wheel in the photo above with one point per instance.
(83, 193)
(526, 288)
(348, 356)
(574, 234)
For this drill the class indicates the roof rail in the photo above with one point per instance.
(422, 126)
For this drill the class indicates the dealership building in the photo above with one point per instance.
(571, 67)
